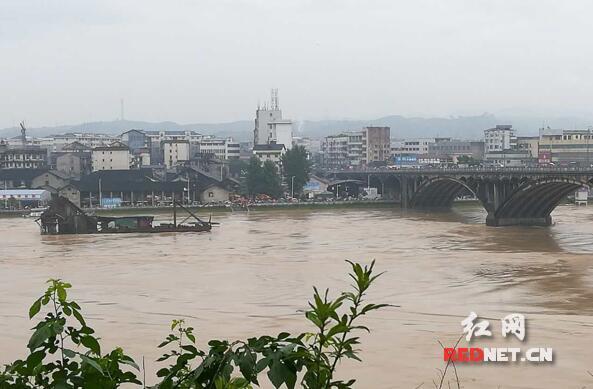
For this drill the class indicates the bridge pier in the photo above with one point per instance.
(494, 221)
(521, 197)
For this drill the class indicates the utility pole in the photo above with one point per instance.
(588, 138)
(292, 187)
(100, 194)
(188, 189)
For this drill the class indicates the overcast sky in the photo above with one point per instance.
(68, 61)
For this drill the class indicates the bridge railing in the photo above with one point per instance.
(415, 170)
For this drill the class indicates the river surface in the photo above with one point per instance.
(254, 274)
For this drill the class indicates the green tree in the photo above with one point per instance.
(271, 185)
(467, 160)
(296, 164)
(263, 179)
(238, 167)
(254, 176)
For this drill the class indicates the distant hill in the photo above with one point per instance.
(464, 127)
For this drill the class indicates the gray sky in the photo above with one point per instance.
(68, 61)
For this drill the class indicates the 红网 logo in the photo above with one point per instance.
(513, 324)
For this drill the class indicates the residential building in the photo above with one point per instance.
(270, 152)
(136, 140)
(175, 151)
(509, 158)
(501, 137)
(270, 127)
(220, 148)
(58, 142)
(141, 158)
(529, 144)
(414, 146)
(20, 198)
(140, 146)
(453, 149)
(158, 137)
(74, 160)
(566, 147)
(74, 164)
(343, 150)
(376, 145)
(27, 157)
(116, 156)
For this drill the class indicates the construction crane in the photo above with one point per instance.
(23, 134)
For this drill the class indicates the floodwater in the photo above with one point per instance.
(255, 272)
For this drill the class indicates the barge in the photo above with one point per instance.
(64, 217)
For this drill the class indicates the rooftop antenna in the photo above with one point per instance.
(23, 133)
(121, 103)
(274, 100)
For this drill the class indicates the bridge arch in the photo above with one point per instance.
(533, 202)
(440, 192)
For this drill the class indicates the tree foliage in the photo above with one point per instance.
(296, 164)
(64, 352)
(263, 179)
(468, 160)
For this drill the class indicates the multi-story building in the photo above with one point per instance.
(529, 144)
(73, 164)
(23, 157)
(88, 139)
(158, 137)
(220, 148)
(453, 149)
(116, 156)
(270, 152)
(270, 127)
(566, 147)
(140, 147)
(175, 152)
(415, 146)
(74, 160)
(501, 137)
(342, 150)
(376, 145)
(509, 158)
(136, 139)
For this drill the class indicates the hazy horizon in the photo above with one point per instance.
(68, 61)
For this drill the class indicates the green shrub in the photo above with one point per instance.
(64, 353)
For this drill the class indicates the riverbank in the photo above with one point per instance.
(235, 208)
(252, 207)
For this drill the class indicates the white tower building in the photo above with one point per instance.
(269, 125)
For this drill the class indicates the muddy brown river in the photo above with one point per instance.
(255, 272)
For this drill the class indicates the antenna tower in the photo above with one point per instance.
(275, 105)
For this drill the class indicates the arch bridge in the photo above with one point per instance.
(510, 196)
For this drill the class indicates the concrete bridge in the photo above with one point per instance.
(511, 196)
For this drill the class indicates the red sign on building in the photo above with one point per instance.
(544, 158)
